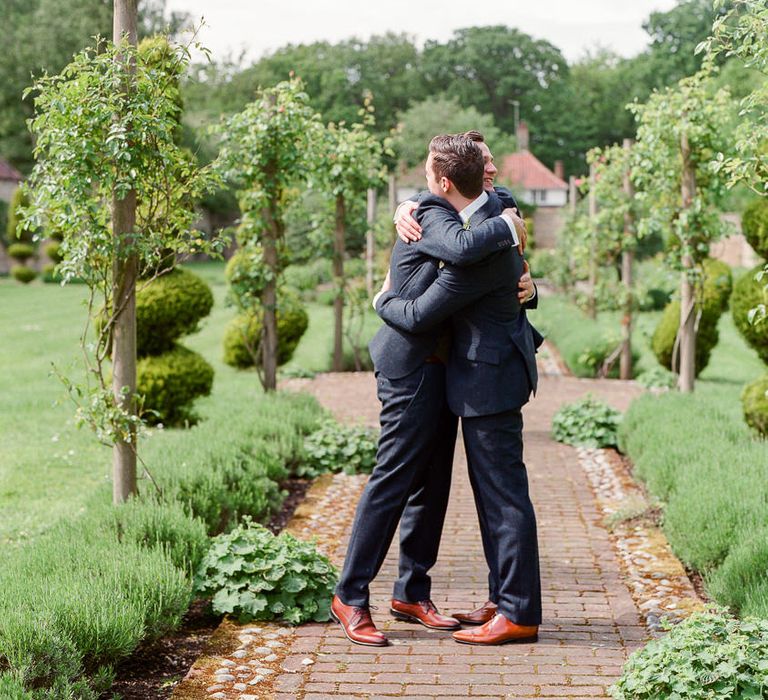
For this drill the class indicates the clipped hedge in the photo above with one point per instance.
(754, 226)
(292, 323)
(83, 595)
(53, 251)
(748, 293)
(713, 300)
(697, 456)
(21, 251)
(23, 274)
(754, 400)
(170, 382)
(169, 307)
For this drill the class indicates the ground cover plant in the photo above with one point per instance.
(588, 422)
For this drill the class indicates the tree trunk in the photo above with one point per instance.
(392, 193)
(687, 330)
(338, 282)
(124, 273)
(269, 344)
(370, 242)
(627, 260)
(592, 305)
(572, 195)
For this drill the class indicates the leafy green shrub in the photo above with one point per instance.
(292, 323)
(12, 688)
(712, 301)
(15, 230)
(754, 400)
(710, 655)
(747, 294)
(53, 251)
(21, 251)
(339, 448)
(655, 284)
(754, 225)
(169, 307)
(307, 277)
(23, 274)
(657, 378)
(326, 297)
(589, 422)
(741, 582)
(170, 382)
(542, 263)
(255, 575)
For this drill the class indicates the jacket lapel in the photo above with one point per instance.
(488, 210)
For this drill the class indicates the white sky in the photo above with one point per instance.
(259, 26)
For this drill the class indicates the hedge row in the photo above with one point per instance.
(87, 592)
(684, 445)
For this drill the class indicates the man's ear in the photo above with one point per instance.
(445, 184)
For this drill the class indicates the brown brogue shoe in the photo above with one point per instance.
(424, 612)
(480, 616)
(499, 630)
(357, 624)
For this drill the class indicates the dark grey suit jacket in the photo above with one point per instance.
(396, 352)
(493, 365)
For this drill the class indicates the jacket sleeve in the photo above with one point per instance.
(445, 238)
(454, 289)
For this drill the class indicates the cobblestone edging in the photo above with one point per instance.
(656, 578)
(243, 661)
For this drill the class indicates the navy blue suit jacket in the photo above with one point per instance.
(396, 352)
(492, 367)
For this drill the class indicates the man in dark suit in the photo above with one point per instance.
(409, 230)
(418, 431)
(490, 375)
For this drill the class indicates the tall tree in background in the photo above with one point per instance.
(265, 151)
(680, 132)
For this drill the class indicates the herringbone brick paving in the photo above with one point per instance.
(591, 623)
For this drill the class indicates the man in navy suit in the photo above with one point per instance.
(490, 375)
(418, 430)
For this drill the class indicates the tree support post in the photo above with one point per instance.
(627, 261)
(124, 275)
(338, 282)
(370, 241)
(687, 330)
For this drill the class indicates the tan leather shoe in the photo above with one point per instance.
(479, 616)
(357, 624)
(424, 612)
(499, 630)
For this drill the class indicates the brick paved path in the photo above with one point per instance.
(590, 624)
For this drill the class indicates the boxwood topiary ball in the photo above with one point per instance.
(754, 224)
(663, 340)
(717, 284)
(747, 294)
(21, 251)
(169, 307)
(23, 274)
(754, 401)
(292, 322)
(170, 383)
(53, 251)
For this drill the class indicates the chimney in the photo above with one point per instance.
(522, 136)
(559, 169)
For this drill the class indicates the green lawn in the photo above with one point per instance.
(48, 467)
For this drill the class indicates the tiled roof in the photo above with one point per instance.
(523, 169)
(8, 172)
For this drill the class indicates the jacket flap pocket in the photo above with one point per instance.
(480, 353)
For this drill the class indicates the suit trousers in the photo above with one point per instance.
(412, 479)
(494, 446)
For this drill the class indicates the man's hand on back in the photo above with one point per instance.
(522, 231)
(407, 228)
(527, 290)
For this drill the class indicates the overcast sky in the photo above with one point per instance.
(260, 26)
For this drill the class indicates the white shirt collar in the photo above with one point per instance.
(473, 206)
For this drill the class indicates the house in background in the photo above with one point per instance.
(10, 178)
(534, 183)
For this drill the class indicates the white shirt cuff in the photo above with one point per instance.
(376, 299)
(512, 228)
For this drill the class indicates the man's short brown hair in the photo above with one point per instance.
(458, 158)
(473, 135)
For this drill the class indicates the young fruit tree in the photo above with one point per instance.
(612, 231)
(351, 163)
(113, 183)
(741, 32)
(267, 153)
(680, 132)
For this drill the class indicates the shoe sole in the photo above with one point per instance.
(405, 617)
(385, 643)
(521, 640)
